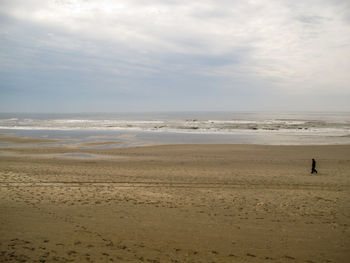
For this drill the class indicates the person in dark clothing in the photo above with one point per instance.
(313, 168)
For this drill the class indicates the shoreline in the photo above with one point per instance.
(140, 138)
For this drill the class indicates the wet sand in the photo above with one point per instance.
(177, 203)
(27, 140)
(99, 143)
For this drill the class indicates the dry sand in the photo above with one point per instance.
(179, 203)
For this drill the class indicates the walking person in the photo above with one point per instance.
(313, 166)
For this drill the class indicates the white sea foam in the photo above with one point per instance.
(307, 124)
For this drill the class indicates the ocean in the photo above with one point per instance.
(137, 129)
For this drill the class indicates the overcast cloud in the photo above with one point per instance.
(134, 55)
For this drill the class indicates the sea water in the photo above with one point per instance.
(130, 129)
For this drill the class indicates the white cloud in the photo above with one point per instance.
(295, 47)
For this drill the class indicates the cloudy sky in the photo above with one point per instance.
(136, 55)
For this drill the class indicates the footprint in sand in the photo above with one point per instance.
(251, 255)
(289, 257)
(71, 252)
(29, 248)
(59, 244)
(122, 247)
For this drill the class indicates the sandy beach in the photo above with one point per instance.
(174, 203)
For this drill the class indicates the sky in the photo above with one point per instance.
(174, 55)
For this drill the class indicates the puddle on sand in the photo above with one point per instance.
(78, 155)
